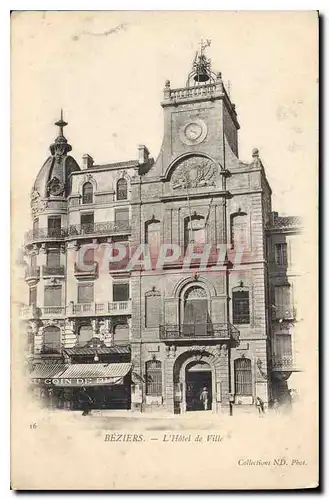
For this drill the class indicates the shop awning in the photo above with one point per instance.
(45, 370)
(79, 375)
(93, 374)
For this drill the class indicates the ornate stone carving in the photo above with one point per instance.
(170, 351)
(34, 327)
(153, 293)
(194, 172)
(37, 203)
(104, 330)
(50, 322)
(55, 187)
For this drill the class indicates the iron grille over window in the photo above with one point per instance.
(122, 189)
(241, 311)
(242, 377)
(87, 193)
(153, 378)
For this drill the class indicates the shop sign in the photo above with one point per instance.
(76, 382)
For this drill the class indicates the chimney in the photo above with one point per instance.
(87, 161)
(143, 154)
(273, 216)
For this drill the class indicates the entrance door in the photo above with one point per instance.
(198, 377)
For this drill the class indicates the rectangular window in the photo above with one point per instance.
(153, 378)
(53, 257)
(281, 254)
(53, 296)
(32, 296)
(283, 302)
(121, 218)
(120, 292)
(87, 222)
(54, 226)
(85, 293)
(283, 346)
(241, 311)
(152, 310)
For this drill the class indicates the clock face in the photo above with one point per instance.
(193, 132)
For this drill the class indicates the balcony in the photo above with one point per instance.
(53, 271)
(284, 314)
(44, 234)
(99, 229)
(32, 274)
(100, 309)
(28, 312)
(52, 311)
(283, 363)
(92, 272)
(207, 331)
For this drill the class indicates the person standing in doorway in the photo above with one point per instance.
(204, 398)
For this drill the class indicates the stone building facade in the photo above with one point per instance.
(200, 314)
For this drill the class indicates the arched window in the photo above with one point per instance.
(122, 189)
(242, 377)
(153, 378)
(121, 334)
(85, 334)
(196, 316)
(87, 193)
(239, 230)
(241, 308)
(51, 340)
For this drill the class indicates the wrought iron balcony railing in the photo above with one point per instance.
(99, 228)
(44, 234)
(32, 273)
(199, 330)
(53, 270)
(28, 312)
(283, 363)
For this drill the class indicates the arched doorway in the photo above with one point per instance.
(198, 392)
(192, 371)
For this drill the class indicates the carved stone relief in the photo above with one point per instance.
(194, 172)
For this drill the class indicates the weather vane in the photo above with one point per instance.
(204, 44)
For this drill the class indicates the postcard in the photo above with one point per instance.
(164, 250)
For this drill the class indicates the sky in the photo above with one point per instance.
(107, 71)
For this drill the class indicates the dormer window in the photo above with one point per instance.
(122, 189)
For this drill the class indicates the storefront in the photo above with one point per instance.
(60, 386)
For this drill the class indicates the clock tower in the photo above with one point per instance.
(198, 118)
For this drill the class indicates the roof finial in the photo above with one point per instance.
(61, 124)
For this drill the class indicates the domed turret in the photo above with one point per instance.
(53, 178)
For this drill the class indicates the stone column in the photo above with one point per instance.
(69, 337)
(169, 377)
(223, 374)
